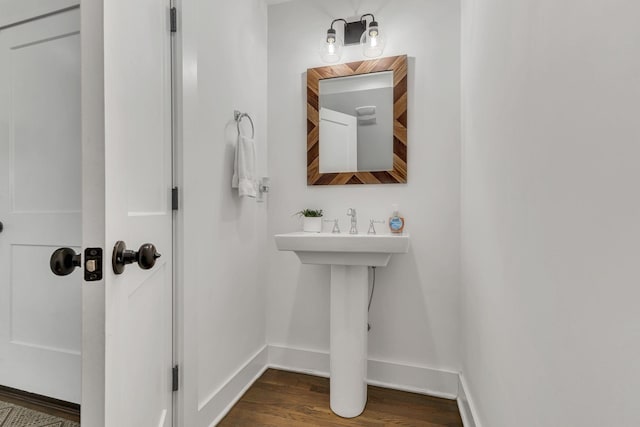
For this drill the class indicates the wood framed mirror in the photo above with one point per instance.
(357, 122)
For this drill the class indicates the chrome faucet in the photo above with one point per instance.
(354, 221)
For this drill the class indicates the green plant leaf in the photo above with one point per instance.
(310, 213)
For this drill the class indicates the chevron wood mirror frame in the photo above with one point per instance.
(397, 64)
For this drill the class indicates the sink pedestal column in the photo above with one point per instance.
(349, 300)
(348, 255)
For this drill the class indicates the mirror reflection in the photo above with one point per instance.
(356, 123)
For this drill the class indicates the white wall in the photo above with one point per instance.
(415, 311)
(224, 50)
(550, 212)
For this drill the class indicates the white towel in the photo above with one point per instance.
(244, 173)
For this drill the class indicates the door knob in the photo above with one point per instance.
(63, 261)
(145, 256)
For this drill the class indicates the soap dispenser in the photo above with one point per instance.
(396, 222)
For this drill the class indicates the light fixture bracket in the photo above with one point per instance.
(353, 31)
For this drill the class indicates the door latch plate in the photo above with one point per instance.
(92, 264)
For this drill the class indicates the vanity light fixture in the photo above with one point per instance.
(370, 39)
(331, 49)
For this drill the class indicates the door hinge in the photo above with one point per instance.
(174, 198)
(175, 378)
(173, 19)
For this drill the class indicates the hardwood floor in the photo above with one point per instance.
(280, 398)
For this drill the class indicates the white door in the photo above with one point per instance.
(127, 197)
(339, 136)
(40, 205)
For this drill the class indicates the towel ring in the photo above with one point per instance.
(238, 116)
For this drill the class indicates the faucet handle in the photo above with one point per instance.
(336, 227)
(372, 227)
(351, 212)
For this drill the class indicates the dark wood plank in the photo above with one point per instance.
(280, 398)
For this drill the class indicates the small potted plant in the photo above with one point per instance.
(311, 220)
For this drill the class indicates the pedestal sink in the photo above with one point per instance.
(349, 256)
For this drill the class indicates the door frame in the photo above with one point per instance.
(92, 410)
(184, 76)
(177, 129)
(93, 208)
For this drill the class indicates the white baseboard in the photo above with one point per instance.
(299, 360)
(416, 379)
(466, 406)
(220, 402)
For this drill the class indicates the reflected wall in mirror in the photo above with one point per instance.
(357, 122)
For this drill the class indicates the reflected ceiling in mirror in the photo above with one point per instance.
(357, 122)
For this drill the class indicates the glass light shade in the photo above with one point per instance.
(372, 42)
(331, 49)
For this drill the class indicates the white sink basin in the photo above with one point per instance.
(349, 256)
(343, 249)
